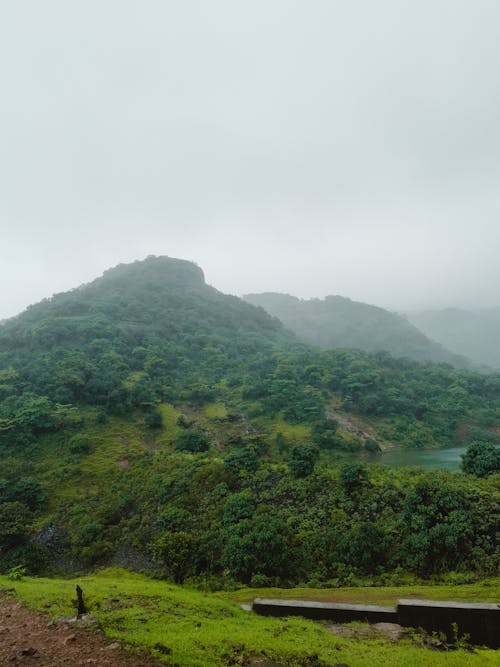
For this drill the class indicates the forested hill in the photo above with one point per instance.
(337, 322)
(146, 419)
(142, 332)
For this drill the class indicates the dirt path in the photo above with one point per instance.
(29, 638)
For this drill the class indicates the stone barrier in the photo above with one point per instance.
(477, 622)
(326, 611)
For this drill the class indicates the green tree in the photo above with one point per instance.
(15, 519)
(241, 460)
(302, 460)
(192, 440)
(352, 477)
(481, 459)
(175, 552)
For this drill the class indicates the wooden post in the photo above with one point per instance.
(81, 605)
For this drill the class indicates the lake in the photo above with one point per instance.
(432, 459)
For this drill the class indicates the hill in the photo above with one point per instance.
(148, 420)
(338, 322)
(474, 333)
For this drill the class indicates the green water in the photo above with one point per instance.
(432, 459)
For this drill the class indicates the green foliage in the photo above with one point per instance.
(174, 553)
(302, 460)
(16, 573)
(257, 546)
(79, 445)
(481, 459)
(436, 520)
(192, 440)
(241, 460)
(352, 477)
(15, 520)
(324, 433)
(152, 417)
(237, 507)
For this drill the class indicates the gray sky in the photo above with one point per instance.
(313, 147)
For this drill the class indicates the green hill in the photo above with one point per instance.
(337, 322)
(148, 420)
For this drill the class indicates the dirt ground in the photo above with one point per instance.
(29, 638)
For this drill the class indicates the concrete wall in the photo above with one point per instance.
(320, 611)
(478, 620)
(481, 622)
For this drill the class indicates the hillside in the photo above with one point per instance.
(337, 322)
(473, 333)
(148, 420)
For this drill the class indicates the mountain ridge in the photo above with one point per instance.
(337, 322)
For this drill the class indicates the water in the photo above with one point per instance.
(431, 459)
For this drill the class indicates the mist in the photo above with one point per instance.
(312, 148)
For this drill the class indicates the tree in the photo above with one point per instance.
(302, 460)
(192, 440)
(241, 460)
(353, 476)
(481, 459)
(257, 546)
(176, 552)
(436, 520)
(15, 518)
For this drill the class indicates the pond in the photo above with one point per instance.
(432, 459)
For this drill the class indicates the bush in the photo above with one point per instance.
(302, 460)
(481, 459)
(79, 445)
(192, 440)
(241, 460)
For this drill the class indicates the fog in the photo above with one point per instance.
(315, 148)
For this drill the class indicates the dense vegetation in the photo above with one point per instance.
(147, 419)
(336, 322)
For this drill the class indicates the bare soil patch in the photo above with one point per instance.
(29, 638)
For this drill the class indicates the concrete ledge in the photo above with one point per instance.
(340, 613)
(480, 621)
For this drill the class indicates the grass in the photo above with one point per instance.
(205, 630)
(293, 433)
(487, 590)
(215, 411)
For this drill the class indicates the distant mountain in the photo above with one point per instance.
(337, 322)
(474, 333)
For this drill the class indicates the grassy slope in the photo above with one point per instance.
(204, 629)
(116, 443)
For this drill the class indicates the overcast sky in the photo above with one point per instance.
(312, 147)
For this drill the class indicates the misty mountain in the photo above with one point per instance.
(338, 322)
(474, 333)
(140, 333)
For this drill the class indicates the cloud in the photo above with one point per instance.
(314, 148)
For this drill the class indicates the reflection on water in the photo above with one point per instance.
(434, 459)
